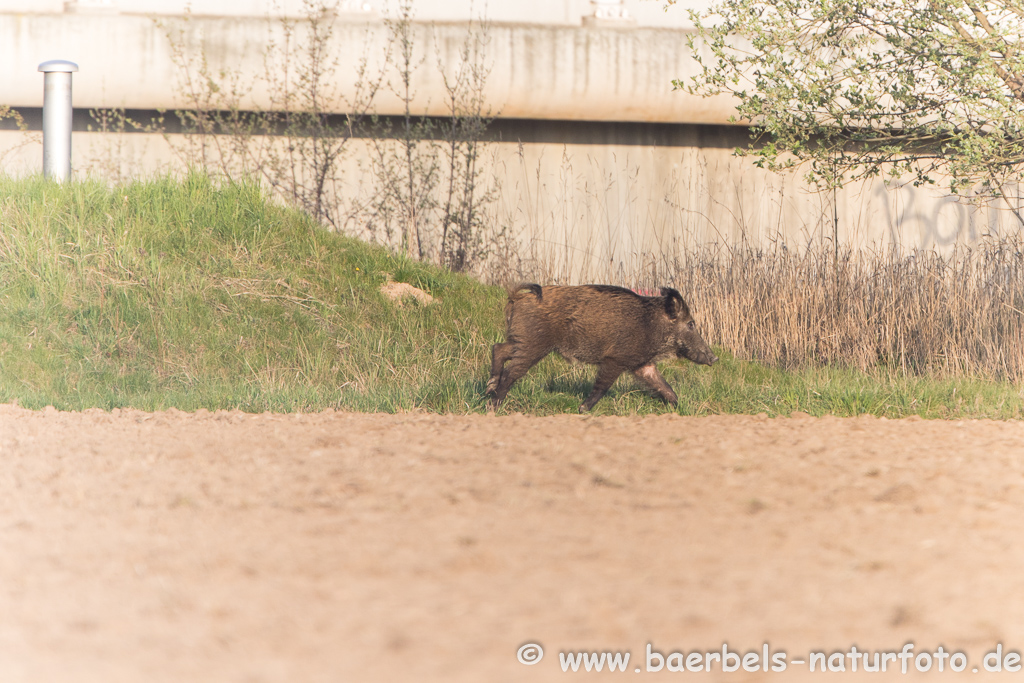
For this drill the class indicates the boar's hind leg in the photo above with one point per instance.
(499, 354)
(607, 373)
(516, 366)
(649, 375)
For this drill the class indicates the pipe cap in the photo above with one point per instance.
(61, 65)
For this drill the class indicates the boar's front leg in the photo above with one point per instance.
(649, 375)
(607, 373)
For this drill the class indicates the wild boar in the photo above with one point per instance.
(611, 327)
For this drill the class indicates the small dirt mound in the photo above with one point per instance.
(399, 291)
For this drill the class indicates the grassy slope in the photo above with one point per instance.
(178, 293)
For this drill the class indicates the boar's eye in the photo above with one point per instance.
(692, 325)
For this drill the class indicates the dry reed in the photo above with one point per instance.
(916, 312)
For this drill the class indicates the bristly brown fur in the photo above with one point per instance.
(611, 327)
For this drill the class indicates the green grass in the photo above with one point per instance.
(182, 293)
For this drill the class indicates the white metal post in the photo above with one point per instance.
(57, 118)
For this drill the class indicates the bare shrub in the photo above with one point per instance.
(112, 157)
(429, 194)
(405, 162)
(432, 187)
(301, 74)
(217, 130)
(297, 143)
(26, 138)
(465, 239)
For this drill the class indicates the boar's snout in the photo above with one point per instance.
(708, 358)
(698, 351)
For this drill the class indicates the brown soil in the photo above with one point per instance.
(414, 547)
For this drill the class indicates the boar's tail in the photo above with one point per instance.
(514, 292)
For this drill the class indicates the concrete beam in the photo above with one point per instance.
(588, 73)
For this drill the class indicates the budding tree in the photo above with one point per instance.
(933, 89)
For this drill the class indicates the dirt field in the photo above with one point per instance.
(349, 547)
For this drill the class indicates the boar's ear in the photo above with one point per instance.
(674, 304)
